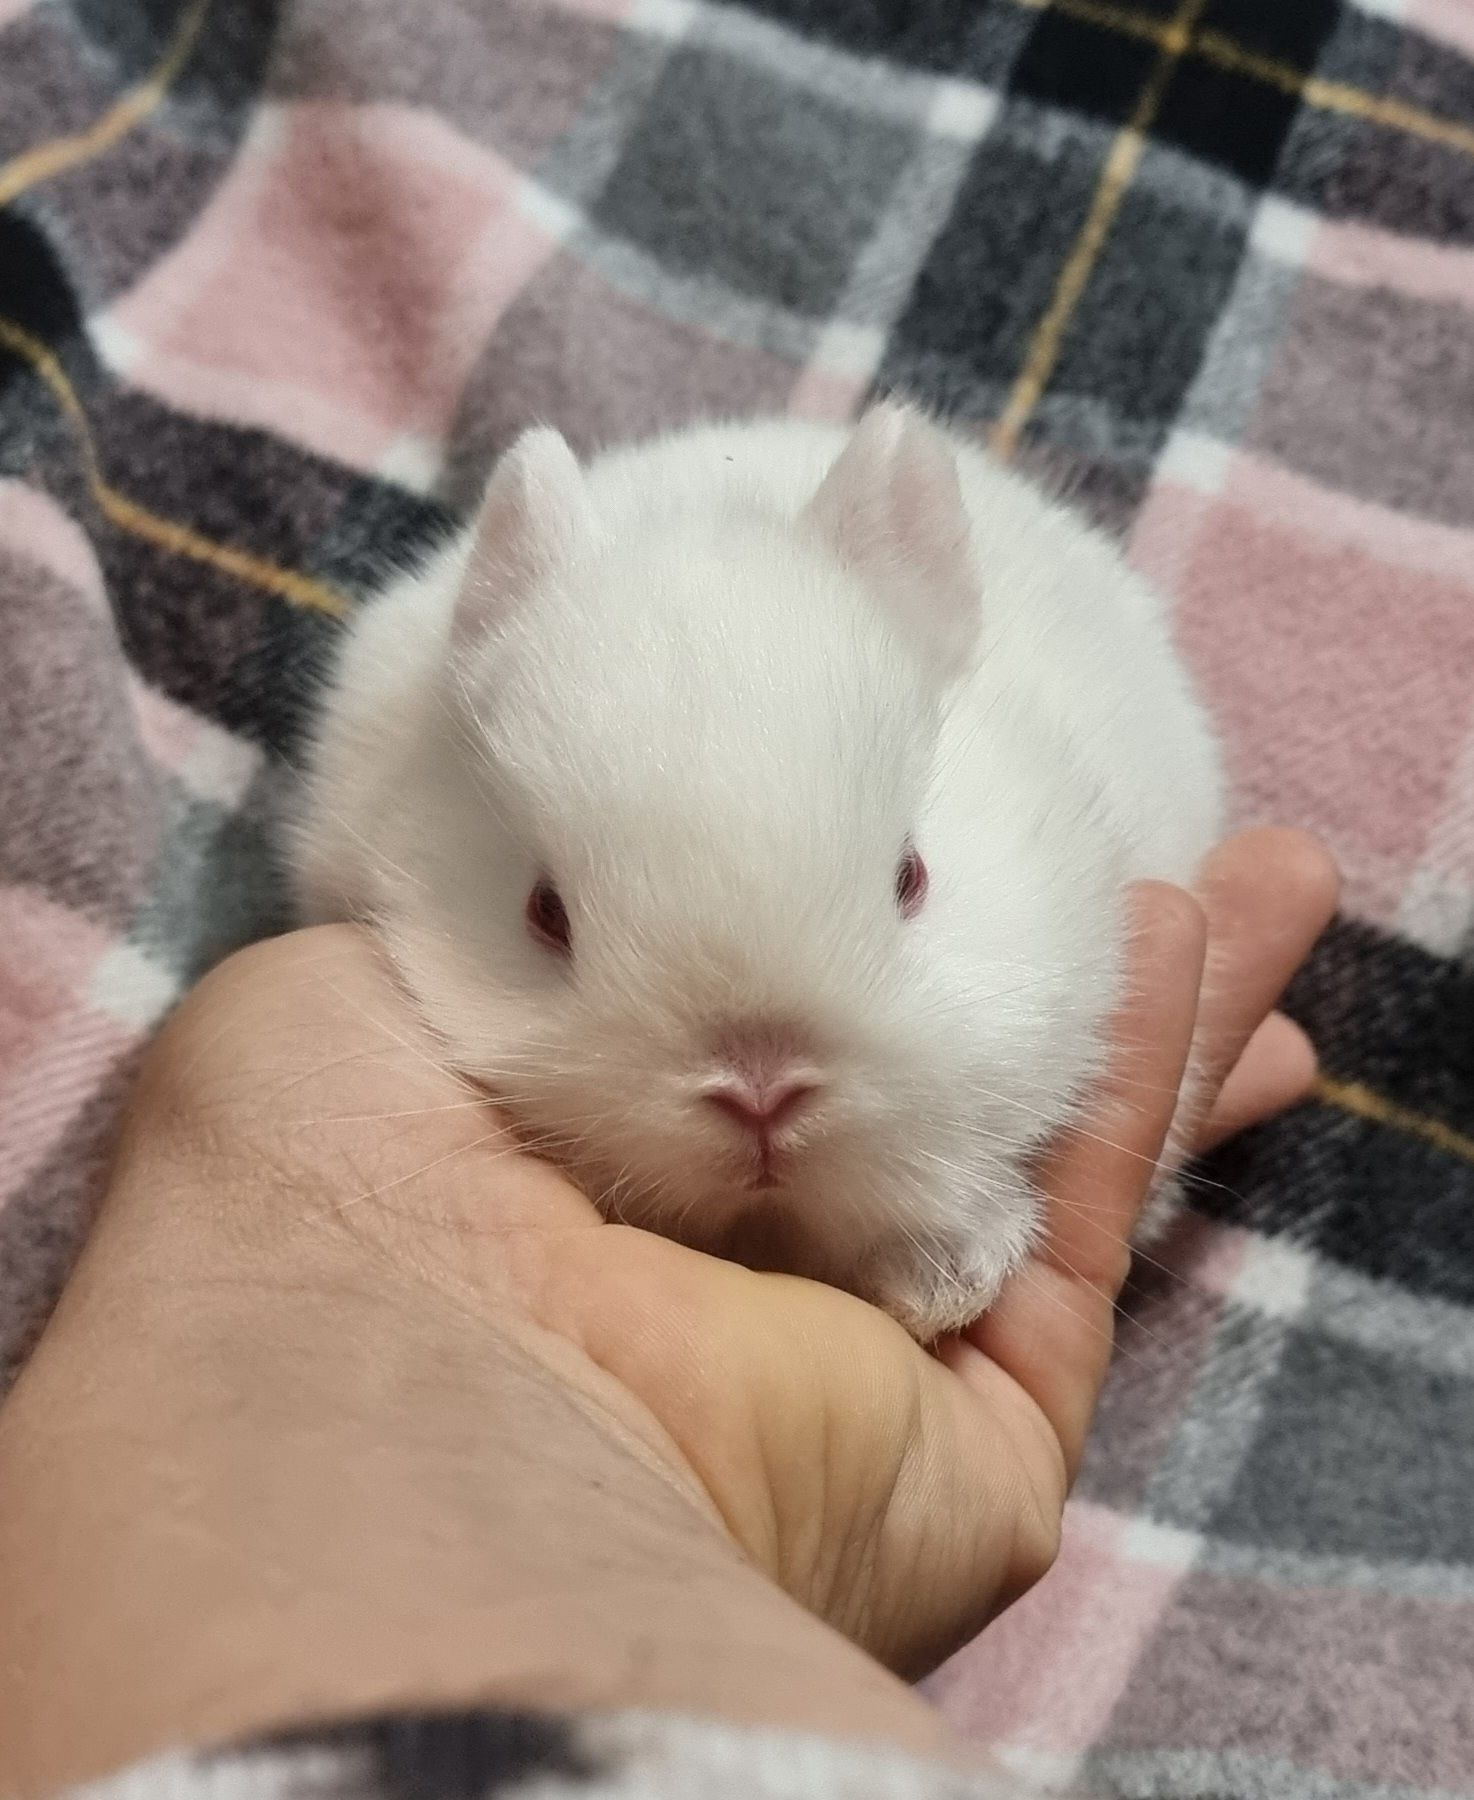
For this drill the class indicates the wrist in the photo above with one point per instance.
(238, 1492)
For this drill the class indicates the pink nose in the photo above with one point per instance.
(761, 1107)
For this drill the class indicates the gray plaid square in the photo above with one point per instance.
(1357, 1453)
(732, 176)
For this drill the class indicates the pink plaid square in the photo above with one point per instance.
(55, 1046)
(1047, 1675)
(35, 529)
(1357, 255)
(341, 284)
(1318, 626)
(1450, 20)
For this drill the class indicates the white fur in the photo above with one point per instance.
(712, 701)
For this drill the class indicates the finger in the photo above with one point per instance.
(1097, 1174)
(1277, 1068)
(1051, 1329)
(1268, 894)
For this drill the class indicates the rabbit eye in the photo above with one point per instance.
(911, 882)
(547, 918)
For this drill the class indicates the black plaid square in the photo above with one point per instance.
(1084, 66)
(992, 270)
(1394, 1205)
(37, 297)
(977, 40)
(1291, 34)
(226, 60)
(1162, 10)
(1231, 114)
(376, 526)
(1385, 1203)
(209, 640)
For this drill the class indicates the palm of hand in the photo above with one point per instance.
(905, 1497)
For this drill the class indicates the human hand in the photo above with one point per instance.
(904, 1498)
(321, 1268)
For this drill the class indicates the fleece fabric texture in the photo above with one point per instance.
(486, 1755)
(278, 279)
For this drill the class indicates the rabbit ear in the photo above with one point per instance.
(532, 522)
(892, 509)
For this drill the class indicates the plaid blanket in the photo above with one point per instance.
(279, 277)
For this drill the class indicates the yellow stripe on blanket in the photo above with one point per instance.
(168, 534)
(1119, 172)
(132, 109)
(1336, 96)
(1217, 48)
(1357, 1098)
